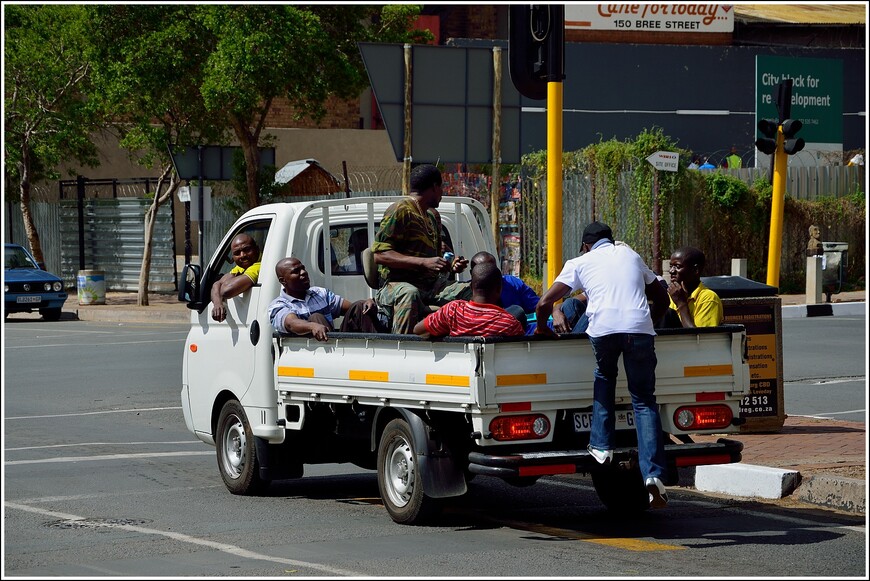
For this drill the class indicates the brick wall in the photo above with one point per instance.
(340, 114)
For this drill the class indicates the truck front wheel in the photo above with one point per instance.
(236, 456)
(399, 476)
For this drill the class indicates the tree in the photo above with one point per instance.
(306, 54)
(147, 70)
(48, 120)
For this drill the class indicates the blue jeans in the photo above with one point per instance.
(575, 311)
(639, 360)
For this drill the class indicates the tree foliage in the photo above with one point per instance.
(48, 119)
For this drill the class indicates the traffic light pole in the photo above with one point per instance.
(777, 211)
(554, 181)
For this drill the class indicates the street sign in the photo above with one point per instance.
(664, 160)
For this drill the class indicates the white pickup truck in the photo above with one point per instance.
(428, 415)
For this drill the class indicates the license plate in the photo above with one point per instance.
(583, 420)
(28, 299)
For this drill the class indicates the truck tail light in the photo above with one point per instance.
(703, 417)
(525, 427)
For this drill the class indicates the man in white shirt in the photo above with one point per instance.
(618, 285)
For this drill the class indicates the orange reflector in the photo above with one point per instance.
(284, 371)
(526, 427)
(452, 380)
(707, 370)
(521, 379)
(547, 470)
(193, 348)
(365, 375)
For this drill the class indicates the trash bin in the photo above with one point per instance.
(91, 286)
(833, 267)
(756, 306)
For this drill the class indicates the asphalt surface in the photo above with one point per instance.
(813, 460)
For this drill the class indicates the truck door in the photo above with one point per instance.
(224, 356)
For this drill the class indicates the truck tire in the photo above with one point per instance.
(620, 489)
(400, 480)
(236, 456)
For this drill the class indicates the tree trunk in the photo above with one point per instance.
(248, 142)
(24, 188)
(150, 220)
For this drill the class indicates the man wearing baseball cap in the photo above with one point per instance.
(618, 285)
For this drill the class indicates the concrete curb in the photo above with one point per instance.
(746, 480)
(846, 494)
(751, 481)
(824, 309)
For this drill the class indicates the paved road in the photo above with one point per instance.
(101, 478)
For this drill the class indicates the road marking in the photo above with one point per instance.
(223, 547)
(823, 415)
(137, 410)
(43, 346)
(52, 446)
(103, 457)
(709, 504)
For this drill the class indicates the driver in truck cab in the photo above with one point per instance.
(246, 256)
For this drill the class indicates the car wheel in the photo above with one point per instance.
(399, 476)
(50, 314)
(236, 456)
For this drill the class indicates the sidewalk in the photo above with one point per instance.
(818, 461)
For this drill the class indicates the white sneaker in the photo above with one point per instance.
(658, 497)
(601, 456)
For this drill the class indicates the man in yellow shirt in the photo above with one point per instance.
(246, 255)
(695, 304)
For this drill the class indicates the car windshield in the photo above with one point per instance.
(16, 257)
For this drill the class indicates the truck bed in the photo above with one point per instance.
(484, 376)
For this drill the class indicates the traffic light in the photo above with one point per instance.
(792, 145)
(767, 144)
(536, 49)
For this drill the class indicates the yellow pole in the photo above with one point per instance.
(777, 210)
(554, 182)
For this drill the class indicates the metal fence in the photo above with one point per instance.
(114, 218)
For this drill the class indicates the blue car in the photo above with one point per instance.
(28, 287)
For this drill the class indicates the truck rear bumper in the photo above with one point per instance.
(531, 464)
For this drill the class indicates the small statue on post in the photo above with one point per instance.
(814, 246)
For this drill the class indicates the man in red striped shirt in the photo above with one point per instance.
(481, 316)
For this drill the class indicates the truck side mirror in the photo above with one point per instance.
(188, 292)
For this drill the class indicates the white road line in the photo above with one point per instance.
(104, 457)
(823, 415)
(43, 346)
(53, 446)
(223, 547)
(136, 410)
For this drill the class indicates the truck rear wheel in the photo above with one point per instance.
(621, 489)
(236, 456)
(400, 480)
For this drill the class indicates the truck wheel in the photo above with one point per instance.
(621, 489)
(51, 314)
(237, 459)
(399, 479)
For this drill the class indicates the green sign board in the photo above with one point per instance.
(816, 97)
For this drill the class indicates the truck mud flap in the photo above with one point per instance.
(723, 451)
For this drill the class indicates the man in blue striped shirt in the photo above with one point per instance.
(302, 309)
